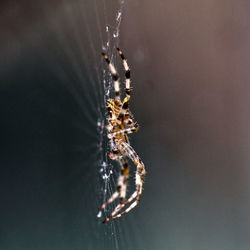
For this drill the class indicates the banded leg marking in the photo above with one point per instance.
(123, 179)
(140, 175)
(127, 73)
(124, 131)
(127, 85)
(115, 76)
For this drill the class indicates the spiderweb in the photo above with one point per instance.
(55, 51)
(81, 31)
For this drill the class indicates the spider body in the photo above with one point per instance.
(120, 124)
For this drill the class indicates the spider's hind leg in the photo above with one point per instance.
(125, 174)
(122, 182)
(139, 180)
(136, 196)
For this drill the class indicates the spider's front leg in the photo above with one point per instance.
(115, 76)
(128, 88)
(127, 73)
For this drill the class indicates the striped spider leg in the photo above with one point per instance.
(120, 124)
(127, 150)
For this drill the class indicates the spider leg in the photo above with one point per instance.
(125, 174)
(127, 73)
(127, 84)
(121, 184)
(140, 175)
(124, 131)
(114, 76)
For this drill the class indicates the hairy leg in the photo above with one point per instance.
(114, 76)
(139, 180)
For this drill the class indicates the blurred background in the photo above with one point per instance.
(190, 70)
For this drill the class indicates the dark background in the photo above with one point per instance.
(190, 69)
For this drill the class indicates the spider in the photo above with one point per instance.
(120, 124)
